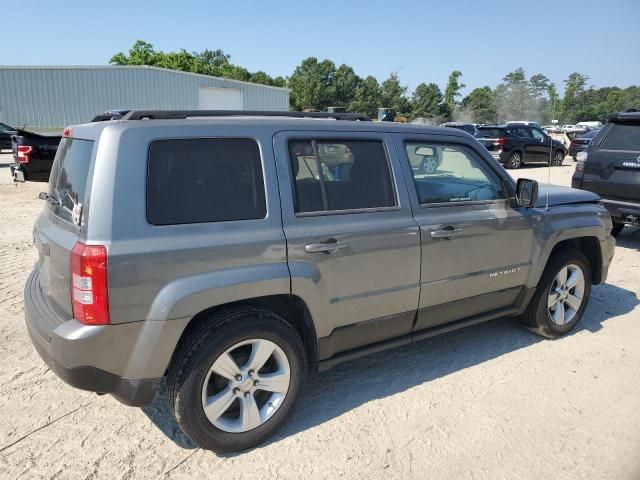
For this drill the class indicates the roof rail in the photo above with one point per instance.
(181, 114)
(630, 115)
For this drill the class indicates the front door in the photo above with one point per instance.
(353, 245)
(476, 248)
(542, 145)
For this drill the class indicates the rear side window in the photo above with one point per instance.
(204, 180)
(489, 133)
(623, 136)
(68, 180)
(337, 175)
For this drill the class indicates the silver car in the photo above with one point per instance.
(236, 254)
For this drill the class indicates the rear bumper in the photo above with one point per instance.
(622, 211)
(126, 360)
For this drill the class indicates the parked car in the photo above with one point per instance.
(470, 128)
(205, 251)
(514, 145)
(610, 167)
(5, 135)
(33, 155)
(552, 129)
(580, 143)
(593, 125)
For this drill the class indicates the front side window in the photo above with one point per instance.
(204, 180)
(340, 175)
(537, 134)
(446, 173)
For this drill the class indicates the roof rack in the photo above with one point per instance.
(629, 115)
(182, 114)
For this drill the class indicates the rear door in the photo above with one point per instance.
(476, 248)
(353, 245)
(612, 169)
(59, 225)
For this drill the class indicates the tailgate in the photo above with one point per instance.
(59, 226)
(613, 175)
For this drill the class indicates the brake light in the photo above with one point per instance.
(24, 153)
(67, 133)
(500, 141)
(89, 290)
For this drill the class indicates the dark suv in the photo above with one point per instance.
(610, 167)
(237, 253)
(514, 145)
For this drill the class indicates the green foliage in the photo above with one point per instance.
(319, 84)
(394, 95)
(481, 105)
(426, 101)
(452, 91)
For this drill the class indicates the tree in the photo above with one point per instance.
(481, 105)
(573, 93)
(452, 91)
(312, 84)
(538, 86)
(513, 100)
(393, 95)
(367, 97)
(426, 101)
(345, 83)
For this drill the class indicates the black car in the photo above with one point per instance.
(470, 128)
(515, 145)
(581, 142)
(5, 135)
(610, 167)
(33, 155)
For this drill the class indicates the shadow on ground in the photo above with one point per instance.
(355, 383)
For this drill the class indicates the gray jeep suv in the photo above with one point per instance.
(236, 253)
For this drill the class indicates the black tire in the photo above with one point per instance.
(617, 228)
(558, 158)
(515, 160)
(197, 353)
(537, 316)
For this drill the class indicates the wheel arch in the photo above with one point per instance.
(590, 247)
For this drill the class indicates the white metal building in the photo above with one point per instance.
(56, 96)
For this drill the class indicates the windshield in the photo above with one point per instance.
(489, 133)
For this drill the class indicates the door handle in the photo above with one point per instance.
(327, 246)
(446, 232)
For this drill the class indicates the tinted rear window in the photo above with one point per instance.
(623, 136)
(68, 180)
(204, 180)
(489, 133)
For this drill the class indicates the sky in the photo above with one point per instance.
(423, 41)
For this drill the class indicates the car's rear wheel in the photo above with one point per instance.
(562, 295)
(558, 158)
(515, 160)
(236, 378)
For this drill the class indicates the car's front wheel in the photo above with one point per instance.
(236, 378)
(562, 295)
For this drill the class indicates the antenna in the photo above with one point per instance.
(546, 206)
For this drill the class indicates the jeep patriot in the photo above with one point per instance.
(235, 253)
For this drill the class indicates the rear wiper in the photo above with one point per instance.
(49, 198)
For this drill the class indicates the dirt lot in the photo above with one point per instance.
(492, 401)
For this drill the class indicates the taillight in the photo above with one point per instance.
(89, 290)
(67, 133)
(580, 167)
(500, 141)
(24, 153)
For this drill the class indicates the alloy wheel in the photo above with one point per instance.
(566, 294)
(246, 385)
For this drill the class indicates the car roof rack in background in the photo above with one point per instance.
(110, 115)
(182, 114)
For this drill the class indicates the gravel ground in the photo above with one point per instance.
(491, 401)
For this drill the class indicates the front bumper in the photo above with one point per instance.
(126, 360)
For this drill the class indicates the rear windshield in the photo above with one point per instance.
(68, 180)
(489, 133)
(623, 136)
(204, 180)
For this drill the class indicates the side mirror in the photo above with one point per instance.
(526, 192)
